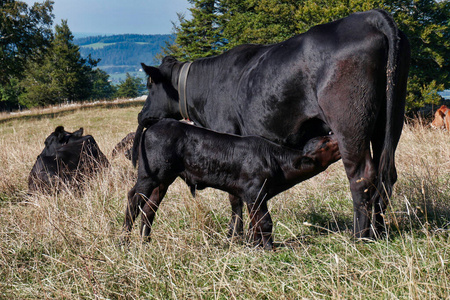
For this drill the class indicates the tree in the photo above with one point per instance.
(101, 88)
(25, 32)
(235, 22)
(427, 25)
(61, 76)
(202, 35)
(130, 88)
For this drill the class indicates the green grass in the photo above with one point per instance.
(98, 45)
(67, 246)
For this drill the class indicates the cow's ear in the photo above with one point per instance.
(59, 129)
(60, 132)
(153, 73)
(78, 133)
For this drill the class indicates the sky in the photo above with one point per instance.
(118, 16)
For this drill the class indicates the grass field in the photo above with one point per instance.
(67, 246)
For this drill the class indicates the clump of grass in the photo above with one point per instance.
(67, 245)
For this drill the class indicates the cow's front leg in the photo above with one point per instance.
(236, 226)
(260, 224)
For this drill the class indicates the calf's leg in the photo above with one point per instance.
(149, 210)
(132, 210)
(136, 200)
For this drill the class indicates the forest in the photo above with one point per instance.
(33, 55)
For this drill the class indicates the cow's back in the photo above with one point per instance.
(274, 90)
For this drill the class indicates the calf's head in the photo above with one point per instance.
(319, 153)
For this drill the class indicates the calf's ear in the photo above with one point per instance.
(304, 162)
(153, 73)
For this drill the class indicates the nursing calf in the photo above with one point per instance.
(250, 168)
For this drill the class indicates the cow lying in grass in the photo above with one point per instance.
(67, 157)
(251, 168)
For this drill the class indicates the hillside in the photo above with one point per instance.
(123, 53)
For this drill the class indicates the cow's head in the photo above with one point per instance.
(59, 138)
(162, 99)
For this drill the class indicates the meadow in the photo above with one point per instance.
(67, 245)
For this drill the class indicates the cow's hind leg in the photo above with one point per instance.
(361, 174)
(353, 134)
(149, 210)
(236, 226)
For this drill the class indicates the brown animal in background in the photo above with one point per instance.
(124, 146)
(442, 118)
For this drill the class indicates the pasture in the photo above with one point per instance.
(67, 246)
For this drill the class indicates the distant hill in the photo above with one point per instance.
(445, 94)
(123, 53)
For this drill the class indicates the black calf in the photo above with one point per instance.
(249, 168)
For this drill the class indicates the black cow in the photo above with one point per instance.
(348, 76)
(67, 157)
(250, 168)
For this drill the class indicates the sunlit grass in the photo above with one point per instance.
(68, 245)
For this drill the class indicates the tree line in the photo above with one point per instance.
(41, 67)
(219, 25)
(124, 38)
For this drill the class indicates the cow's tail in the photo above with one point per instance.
(395, 105)
(137, 138)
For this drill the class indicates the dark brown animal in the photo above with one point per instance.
(124, 146)
(67, 158)
(250, 168)
(442, 118)
(348, 76)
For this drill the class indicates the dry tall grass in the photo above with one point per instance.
(66, 246)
